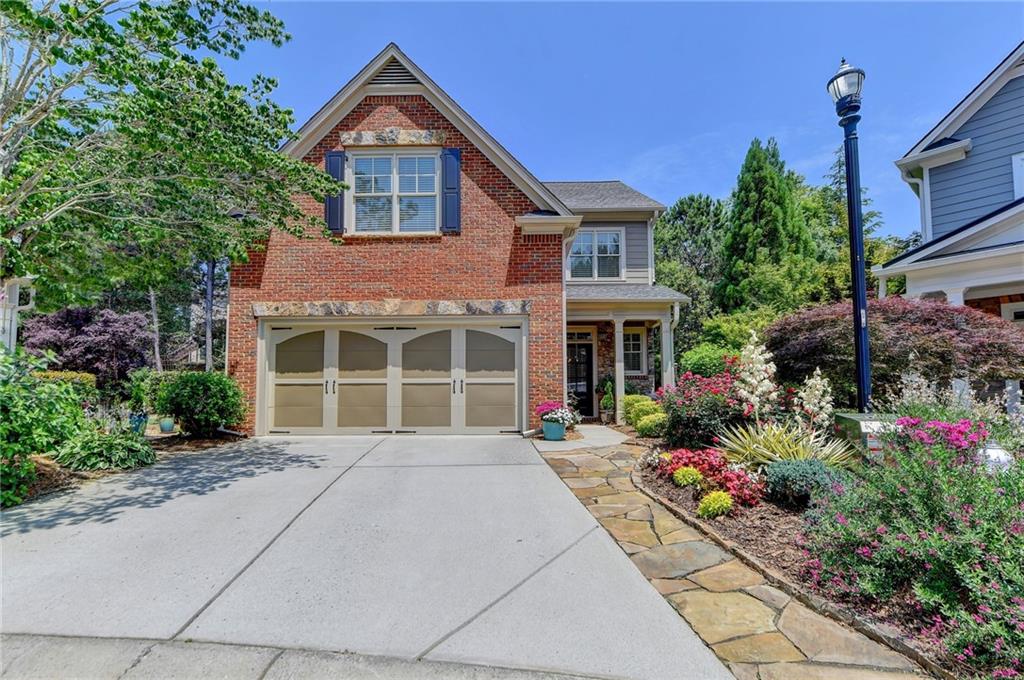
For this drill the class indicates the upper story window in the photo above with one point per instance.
(596, 254)
(395, 192)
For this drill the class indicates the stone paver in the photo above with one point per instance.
(729, 576)
(728, 604)
(723, 616)
(822, 639)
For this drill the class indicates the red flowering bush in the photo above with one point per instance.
(717, 473)
(930, 525)
(699, 407)
(941, 341)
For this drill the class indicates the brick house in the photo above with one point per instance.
(456, 291)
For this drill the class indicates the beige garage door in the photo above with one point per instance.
(359, 379)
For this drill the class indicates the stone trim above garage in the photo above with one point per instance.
(392, 307)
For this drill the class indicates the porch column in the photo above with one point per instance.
(620, 372)
(668, 362)
(955, 296)
(882, 292)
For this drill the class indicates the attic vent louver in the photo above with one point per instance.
(394, 73)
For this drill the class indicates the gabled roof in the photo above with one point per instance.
(602, 195)
(930, 249)
(392, 72)
(614, 292)
(1008, 69)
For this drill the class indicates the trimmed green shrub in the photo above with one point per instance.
(201, 402)
(687, 476)
(644, 408)
(144, 387)
(792, 483)
(652, 425)
(93, 449)
(36, 416)
(733, 330)
(705, 359)
(631, 400)
(83, 383)
(715, 504)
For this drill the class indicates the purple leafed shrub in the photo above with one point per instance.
(934, 339)
(97, 341)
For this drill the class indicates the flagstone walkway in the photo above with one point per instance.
(756, 629)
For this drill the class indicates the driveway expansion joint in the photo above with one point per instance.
(271, 542)
(493, 603)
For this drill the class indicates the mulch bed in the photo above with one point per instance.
(770, 532)
(175, 443)
(51, 477)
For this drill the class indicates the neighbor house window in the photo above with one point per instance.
(634, 350)
(395, 193)
(596, 254)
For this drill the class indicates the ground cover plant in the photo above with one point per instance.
(94, 449)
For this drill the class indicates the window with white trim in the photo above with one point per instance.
(634, 351)
(394, 192)
(596, 254)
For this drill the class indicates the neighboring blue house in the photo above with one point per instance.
(968, 172)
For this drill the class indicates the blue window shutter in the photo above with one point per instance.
(334, 206)
(451, 200)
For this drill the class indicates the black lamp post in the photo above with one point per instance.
(845, 87)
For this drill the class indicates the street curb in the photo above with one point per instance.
(783, 583)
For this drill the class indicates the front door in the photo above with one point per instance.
(580, 375)
(426, 379)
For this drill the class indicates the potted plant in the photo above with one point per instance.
(607, 407)
(555, 418)
(137, 416)
(167, 424)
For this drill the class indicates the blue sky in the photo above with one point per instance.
(663, 96)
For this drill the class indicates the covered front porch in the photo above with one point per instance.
(623, 332)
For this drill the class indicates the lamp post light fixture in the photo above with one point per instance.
(845, 87)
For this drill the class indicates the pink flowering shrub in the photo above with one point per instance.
(699, 407)
(716, 472)
(929, 524)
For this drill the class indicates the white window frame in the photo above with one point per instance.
(1007, 309)
(594, 277)
(394, 153)
(642, 332)
(1018, 175)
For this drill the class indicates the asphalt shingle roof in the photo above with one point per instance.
(605, 195)
(621, 291)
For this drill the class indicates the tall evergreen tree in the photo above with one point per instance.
(765, 227)
(688, 249)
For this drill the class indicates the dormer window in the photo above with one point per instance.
(395, 192)
(596, 254)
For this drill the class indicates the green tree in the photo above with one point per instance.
(687, 252)
(766, 228)
(119, 131)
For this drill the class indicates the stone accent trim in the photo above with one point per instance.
(393, 307)
(392, 136)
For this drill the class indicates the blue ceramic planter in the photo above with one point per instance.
(137, 422)
(554, 432)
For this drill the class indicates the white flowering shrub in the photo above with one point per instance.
(814, 401)
(755, 378)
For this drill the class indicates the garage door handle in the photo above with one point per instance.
(325, 387)
(334, 386)
(462, 385)
(453, 387)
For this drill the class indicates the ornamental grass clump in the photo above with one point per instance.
(715, 504)
(761, 444)
(928, 525)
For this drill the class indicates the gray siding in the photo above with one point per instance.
(637, 265)
(983, 181)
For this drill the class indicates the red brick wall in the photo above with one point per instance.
(991, 305)
(490, 259)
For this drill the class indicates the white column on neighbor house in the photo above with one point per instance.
(882, 292)
(668, 364)
(620, 372)
(955, 296)
(961, 388)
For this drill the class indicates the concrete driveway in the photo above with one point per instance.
(447, 549)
